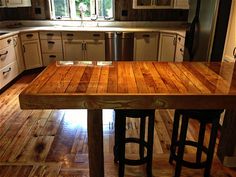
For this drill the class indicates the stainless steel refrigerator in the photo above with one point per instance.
(203, 21)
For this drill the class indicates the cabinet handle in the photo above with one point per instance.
(23, 48)
(234, 52)
(2, 54)
(85, 46)
(52, 56)
(29, 35)
(69, 34)
(174, 41)
(96, 35)
(5, 72)
(9, 41)
(179, 38)
(50, 34)
(146, 35)
(14, 42)
(51, 42)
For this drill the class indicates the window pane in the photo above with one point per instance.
(61, 8)
(84, 6)
(105, 8)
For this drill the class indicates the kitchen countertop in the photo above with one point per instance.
(13, 31)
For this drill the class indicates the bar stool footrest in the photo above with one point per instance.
(138, 161)
(188, 164)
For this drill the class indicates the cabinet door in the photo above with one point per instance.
(73, 50)
(181, 4)
(94, 50)
(167, 46)
(230, 44)
(145, 46)
(32, 54)
(19, 55)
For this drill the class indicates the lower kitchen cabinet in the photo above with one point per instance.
(18, 52)
(145, 46)
(73, 50)
(32, 54)
(48, 58)
(31, 50)
(83, 46)
(167, 47)
(94, 50)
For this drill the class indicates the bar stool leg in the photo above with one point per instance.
(210, 153)
(121, 148)
(142, 137)
(200, 141)
(174, 136)
(117, 134)
(182, 139)
(151, 122)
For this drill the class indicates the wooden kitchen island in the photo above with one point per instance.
(129, 85)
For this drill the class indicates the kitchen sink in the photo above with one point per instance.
(2, 33)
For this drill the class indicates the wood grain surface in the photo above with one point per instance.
(143, 85)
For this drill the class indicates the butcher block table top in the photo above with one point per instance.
(101, 85)
(129, 85)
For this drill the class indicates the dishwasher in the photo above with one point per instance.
(119, 46)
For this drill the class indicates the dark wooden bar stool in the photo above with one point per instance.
(121, 140)
(178, 144)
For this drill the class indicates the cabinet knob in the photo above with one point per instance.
(234, 52)
(9, 41)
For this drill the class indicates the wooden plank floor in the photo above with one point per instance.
(53, 143)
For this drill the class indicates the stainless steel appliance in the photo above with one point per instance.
(119, 46)
(206, 20)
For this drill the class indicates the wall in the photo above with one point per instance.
(123, 11)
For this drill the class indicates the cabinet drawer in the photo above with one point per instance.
(83, 35)
(8, 73)
(29, 36)
(7, 55)
(6, 42)
(48, 58)
(50, 35)
(49, 46)
(180, 40)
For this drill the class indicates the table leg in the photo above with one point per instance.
(95, 143)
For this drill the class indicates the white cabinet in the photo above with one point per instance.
(8, 64)
(18, 52)
(15, 3)
(160, 4)
(31, 50)
(83, 46)
(51, 44)
(167, 46)
(181, 4)
(145, 46)
(230, 44)
(179, 52)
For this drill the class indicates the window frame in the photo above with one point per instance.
(72, 12)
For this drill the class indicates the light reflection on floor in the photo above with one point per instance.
(78, 118)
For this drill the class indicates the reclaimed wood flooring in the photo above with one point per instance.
(53, 143)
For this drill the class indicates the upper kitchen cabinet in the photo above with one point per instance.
(15, 3)
(160, 4)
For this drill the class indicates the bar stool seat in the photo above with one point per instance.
(204, 117)
(121, 140)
